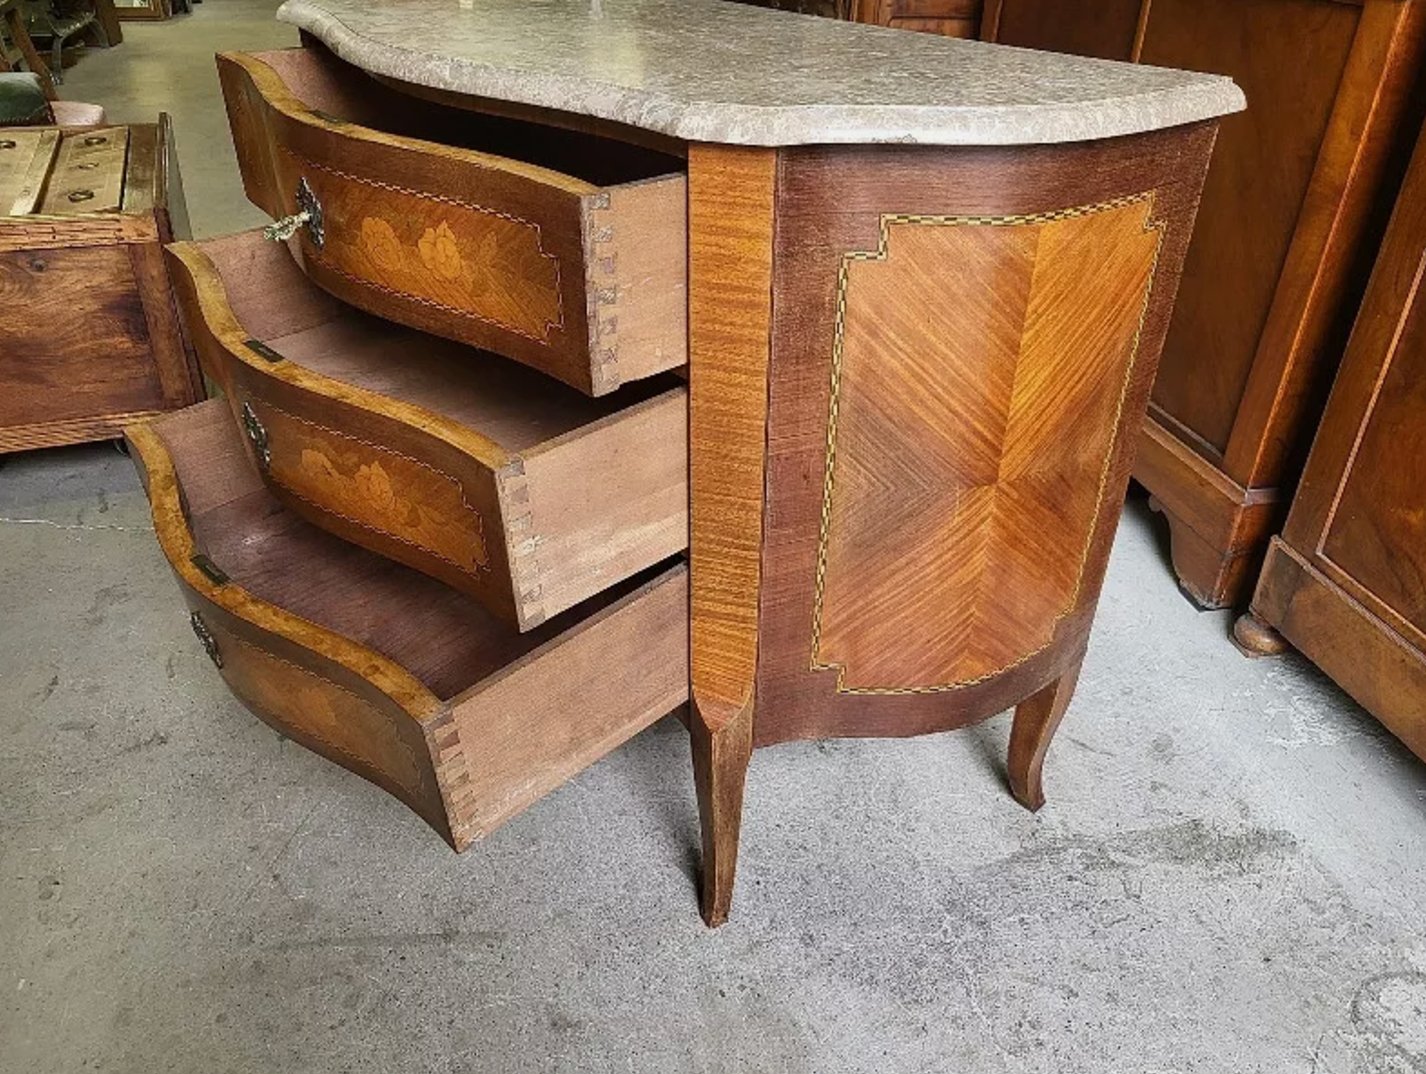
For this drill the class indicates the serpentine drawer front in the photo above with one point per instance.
(562, 251)
(518, 490)
(390, 674)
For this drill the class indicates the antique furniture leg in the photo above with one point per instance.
(730, 221)
(1255, 638)
(1036, 719)
(720, 767)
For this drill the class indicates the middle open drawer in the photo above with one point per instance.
(504, 483)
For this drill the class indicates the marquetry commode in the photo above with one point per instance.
(618, 355)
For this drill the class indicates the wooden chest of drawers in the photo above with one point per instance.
(88, 336)
(437, 529)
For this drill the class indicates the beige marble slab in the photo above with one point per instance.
(713, 71)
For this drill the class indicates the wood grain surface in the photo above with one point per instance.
(731, 234)
(1009, 420)
(515, 489)
(953, 600)
(1293, 210)
(540, 265)
(392, 675)
(1346, 583)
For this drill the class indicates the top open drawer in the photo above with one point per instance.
(558, 249)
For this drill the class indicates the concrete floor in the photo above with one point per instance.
(1230, 875)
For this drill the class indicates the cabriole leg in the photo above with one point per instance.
(1036, 719)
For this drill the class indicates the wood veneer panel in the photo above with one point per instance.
(731, 218)
(834, 204)
(1009, 420)
(730, 214)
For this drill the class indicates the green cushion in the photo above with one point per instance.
(22, 102)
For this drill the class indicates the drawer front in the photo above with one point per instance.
(515, 715)
(472, 246)
(350, 480)
(367, 470)
(522, 534)
(332, 695)
(289, 689)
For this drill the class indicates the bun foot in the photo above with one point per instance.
(1254, 638)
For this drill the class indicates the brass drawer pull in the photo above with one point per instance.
(210, 645)
(309, 215)
(77, 196)
(257, 433)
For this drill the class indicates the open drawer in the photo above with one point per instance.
(512, 487)
(557, 249)
(391, 674)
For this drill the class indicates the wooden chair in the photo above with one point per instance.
(16, 36)
(62, 21)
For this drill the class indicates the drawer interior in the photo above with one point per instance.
(340, 91)
(441, 636)
(511, 404)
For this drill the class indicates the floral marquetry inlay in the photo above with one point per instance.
(447, 254)
(980, 368)
(374, 487)
(335, 722)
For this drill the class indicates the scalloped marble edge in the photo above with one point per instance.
(1200, 97)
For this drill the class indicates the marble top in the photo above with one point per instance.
(715, 71)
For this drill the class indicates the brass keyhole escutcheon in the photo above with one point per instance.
(308, 215)
(77, 196)
(209, 643)
(253, 426)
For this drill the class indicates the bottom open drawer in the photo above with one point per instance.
(386, 671)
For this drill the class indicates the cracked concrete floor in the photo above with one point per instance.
(1230, 875)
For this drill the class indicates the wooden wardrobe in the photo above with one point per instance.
(1346, 581)
(949, 18)
(1296, 203)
